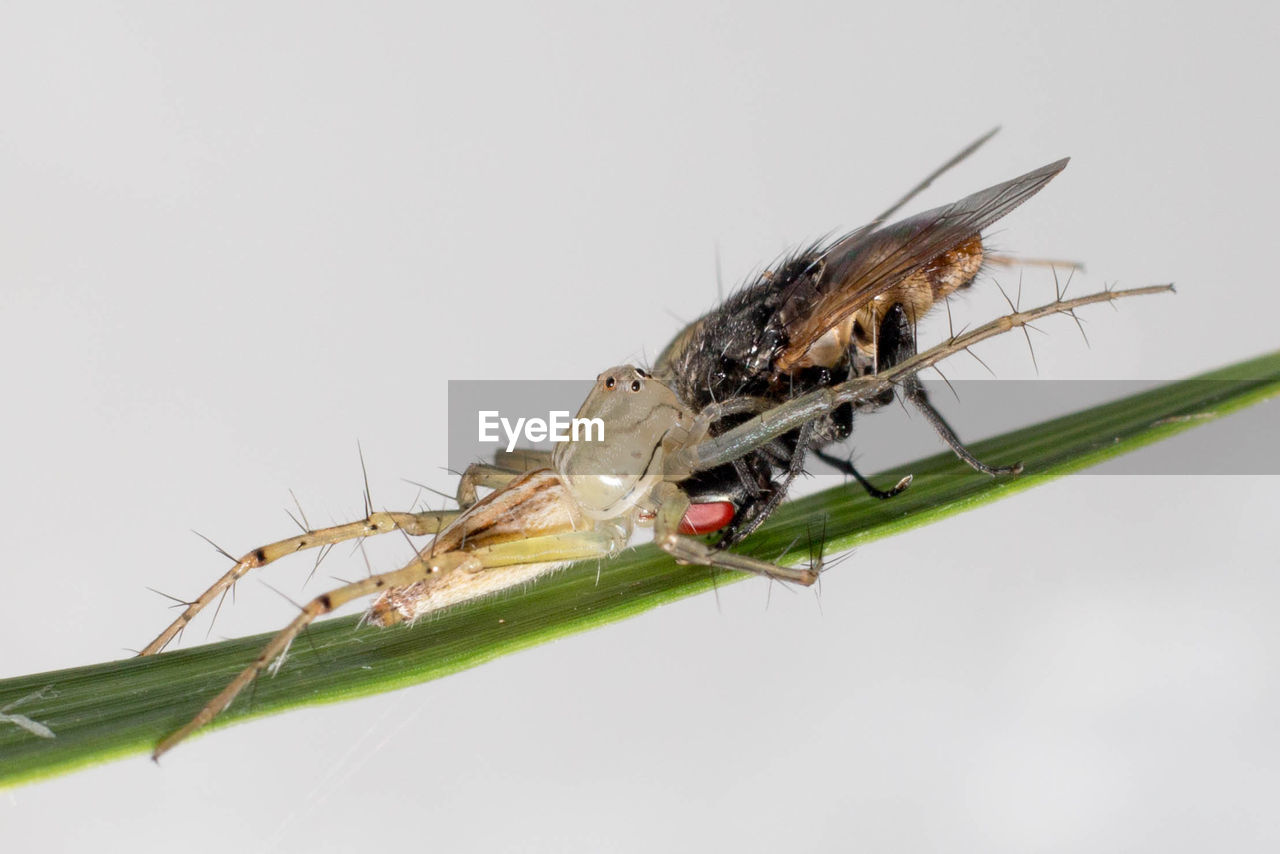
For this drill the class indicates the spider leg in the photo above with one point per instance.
(454, 576)
(672, 505)
(704, 453)
(485, 475)
(507, 466)
(417, 570)
(414, 524)
(523, 459)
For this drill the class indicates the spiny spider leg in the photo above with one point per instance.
(754, 433)
(414, 524)
(417, 570)
(466, 575)
(482, 475)
(673, 504)
(523, 459)
(507, 466)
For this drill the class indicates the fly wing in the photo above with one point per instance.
(865, 263)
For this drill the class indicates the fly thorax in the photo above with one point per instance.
(609, 474)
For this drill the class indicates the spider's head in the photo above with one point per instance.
(614, 456)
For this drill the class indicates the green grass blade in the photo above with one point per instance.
(108, 710)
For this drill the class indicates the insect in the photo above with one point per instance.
(799, 353)
(822, 316)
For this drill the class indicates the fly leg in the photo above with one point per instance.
(1004, 260)
(413, 524)
(847, 467)
(914, 394)
(897, 343)
(764, 509)
(673, 504)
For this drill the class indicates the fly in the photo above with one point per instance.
(823, 316)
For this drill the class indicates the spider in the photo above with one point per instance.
(709, 441)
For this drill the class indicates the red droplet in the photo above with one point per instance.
(705, 518)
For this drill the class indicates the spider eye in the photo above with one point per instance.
(635, 385)
(610, 382)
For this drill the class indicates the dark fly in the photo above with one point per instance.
(827, 314)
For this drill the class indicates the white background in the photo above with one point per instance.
(237, 238)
